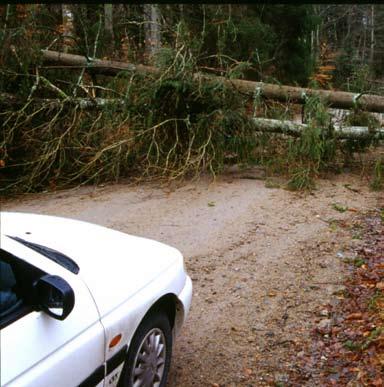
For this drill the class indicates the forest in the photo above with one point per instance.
(97, 92)
(248, 136)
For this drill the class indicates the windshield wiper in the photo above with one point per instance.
(52, 254)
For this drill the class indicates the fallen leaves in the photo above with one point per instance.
(354, 316)
(248, 372)
(347, 347)
(378, 382)
(380, 285)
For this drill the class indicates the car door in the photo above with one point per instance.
(39, 350)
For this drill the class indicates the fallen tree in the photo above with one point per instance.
(296, 129)
(260, 124)
(11, 100)
(105, 67)
(336, 99)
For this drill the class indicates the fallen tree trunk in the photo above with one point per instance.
(295, 129)
(336, 99)
(105, 67)
(260, 124)
(11, 100)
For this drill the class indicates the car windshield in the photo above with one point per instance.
(52, 254)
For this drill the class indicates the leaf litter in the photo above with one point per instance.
(347, 347)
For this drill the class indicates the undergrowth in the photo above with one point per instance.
(314, 149)
(171, 126)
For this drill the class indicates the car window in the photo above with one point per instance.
(9, 300)
(16, 288)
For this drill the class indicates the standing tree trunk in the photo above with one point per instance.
(181, 10)
(68, 26)
(108, 26)
(315, 34)
(363, 36)
(372, 51)
(152, 30)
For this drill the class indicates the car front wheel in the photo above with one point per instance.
(149, 356)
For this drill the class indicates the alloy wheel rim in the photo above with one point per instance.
(149, 363)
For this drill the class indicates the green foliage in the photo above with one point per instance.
(375, 301)
(301, 179)
(172, 125)
(361, 346)
(176, 127)
(18, 49)
(273, 39)
(165, 58)
(358, 117)
(314, 149)
(359, 80)
(90, 35)
(345, 66)
(374, 334)
(358, 262)
(339, 207)
(292, 24)
(238, 70)
(352, 345)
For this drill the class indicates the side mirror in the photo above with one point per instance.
(54, 296)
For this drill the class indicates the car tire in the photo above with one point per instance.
(149, 355)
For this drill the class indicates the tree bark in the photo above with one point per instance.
(372, 50)
(68, 26)
(12, 101)
(336, 99)
(294, 129)
(108, 26)
(105, 67)
(152, 30)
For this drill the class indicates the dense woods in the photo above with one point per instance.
(66, 123)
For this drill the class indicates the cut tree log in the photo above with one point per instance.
(295, 129)
(336, 99)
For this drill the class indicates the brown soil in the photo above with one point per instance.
(263, 263)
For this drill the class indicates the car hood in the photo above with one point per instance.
(114, 265)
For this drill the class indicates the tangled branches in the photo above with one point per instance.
(168, 128)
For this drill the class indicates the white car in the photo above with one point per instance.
(83, 305)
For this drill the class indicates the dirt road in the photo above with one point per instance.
(263, 262)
